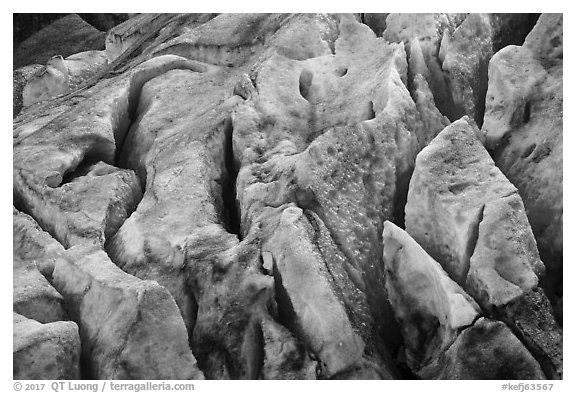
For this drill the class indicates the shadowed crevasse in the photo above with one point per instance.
(231, 215)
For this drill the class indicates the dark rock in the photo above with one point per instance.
(284, 356)
(64, 37)
(105, 22)
(377, 22)
(487, 350)
(24, 25)
(511, 29)
(531, 318)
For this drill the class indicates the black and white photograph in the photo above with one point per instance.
(286, 196)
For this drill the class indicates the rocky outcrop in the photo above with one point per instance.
(212, 196)
(45, 351)
(523, 127)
